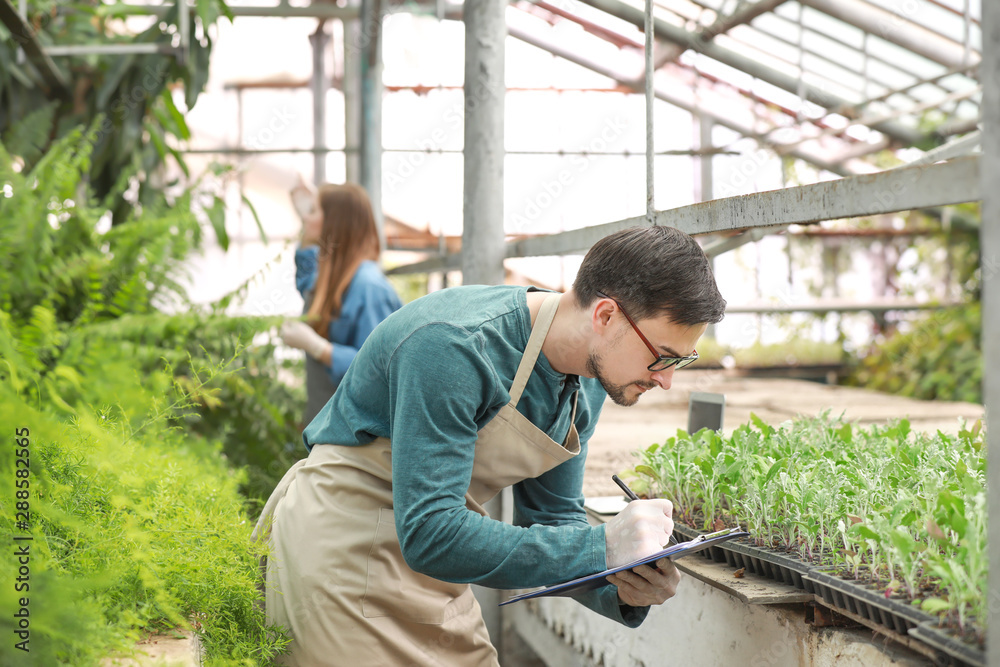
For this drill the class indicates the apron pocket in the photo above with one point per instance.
(393, 589)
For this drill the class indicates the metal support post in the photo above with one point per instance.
(351, 88)
(990, 265)
(482, 225)
(482, 230)
(370, 52)
(184, 23)
(319, 84)
(650, 98)
(706, 193)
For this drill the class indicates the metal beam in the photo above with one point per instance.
(932, 80)
(742, 15)
(756, 69)
(110, 49)
(618, 40)
(817, 53)
(724, 121)
(25, 36)
(873, 119)
(741, 239)
(840, 306)
(956, 126)
(989, 244)
(318, 10)
(903, 189)
(956, 148)
(895, 29)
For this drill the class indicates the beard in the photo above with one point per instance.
(615, 391)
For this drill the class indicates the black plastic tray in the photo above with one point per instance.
(955, 647)
(764, 562)
(855, 597)
(897, 615)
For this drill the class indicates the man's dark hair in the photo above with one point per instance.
(652, 271)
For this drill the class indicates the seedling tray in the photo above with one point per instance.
(963, 652)
(865, 603)
(764, 562)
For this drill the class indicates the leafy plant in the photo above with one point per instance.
(793, 352)
(940, 358)
(134, 525)
(129, 96)
(900, 510)
(144, 426)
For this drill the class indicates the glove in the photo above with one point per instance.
(645, 585)
(641, 529)
(298, 334)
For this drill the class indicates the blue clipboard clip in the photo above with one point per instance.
(592, 581)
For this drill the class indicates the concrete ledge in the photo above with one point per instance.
(701, 625)
(180, 649)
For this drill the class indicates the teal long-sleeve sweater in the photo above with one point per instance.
(429, 378)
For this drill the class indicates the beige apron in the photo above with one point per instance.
(335, 575)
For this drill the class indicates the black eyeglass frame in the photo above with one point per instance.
(663, 361)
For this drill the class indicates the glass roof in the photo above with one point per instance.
(835, 77)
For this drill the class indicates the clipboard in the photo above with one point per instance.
(592, 581)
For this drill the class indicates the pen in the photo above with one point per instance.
(631, 496)
(624, 487)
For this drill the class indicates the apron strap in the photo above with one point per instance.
(542, 323)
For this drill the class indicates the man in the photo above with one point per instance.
(377, 534)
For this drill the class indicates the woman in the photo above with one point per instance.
(346, 293)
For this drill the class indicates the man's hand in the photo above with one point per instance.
(639, 530)
(645, 585)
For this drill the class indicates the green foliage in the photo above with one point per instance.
(128, 97)
(136, 525)
(793, 352)
(409, 286)
(903, 510)
(796, 351)
(940, 358)
(143, 426)
(248, 409)
(56, 257)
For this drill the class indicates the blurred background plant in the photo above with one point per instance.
(129, 100)
(939, 358)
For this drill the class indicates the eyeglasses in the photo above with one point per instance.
(662, 362)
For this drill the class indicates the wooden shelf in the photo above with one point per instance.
(750, 588)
